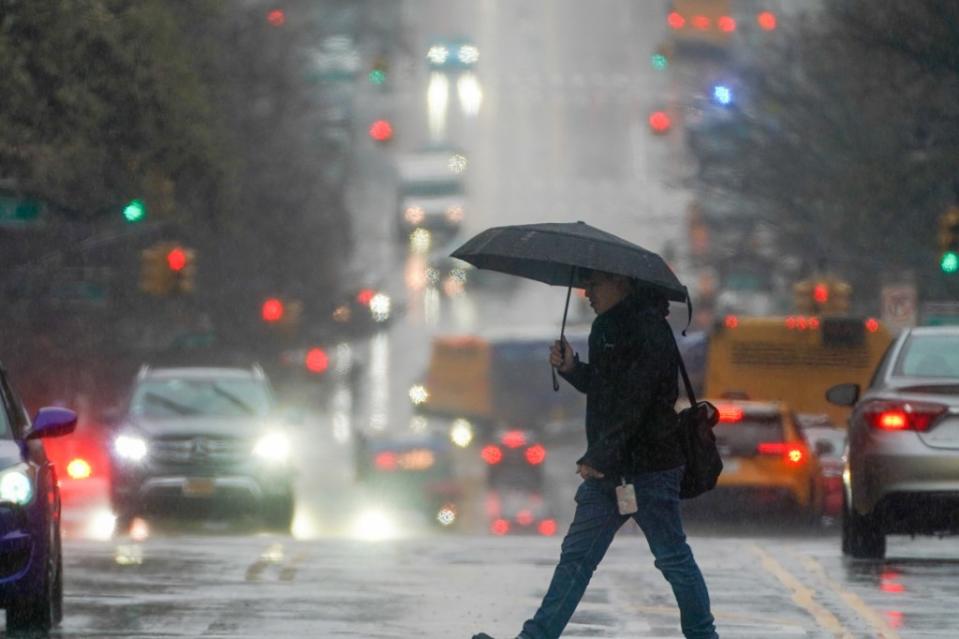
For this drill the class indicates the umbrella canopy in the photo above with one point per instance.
(557, 253)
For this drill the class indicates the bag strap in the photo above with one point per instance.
(682, 370)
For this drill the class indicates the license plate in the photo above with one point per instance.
(730, 465)
(199, 487)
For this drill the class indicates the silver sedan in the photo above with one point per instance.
(902, 468)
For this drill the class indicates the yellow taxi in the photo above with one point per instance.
(767, 463)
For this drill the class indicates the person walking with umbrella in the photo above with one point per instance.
(631, 386)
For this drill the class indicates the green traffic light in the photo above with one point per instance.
(659, 61)
(377, 76)
(135, 211)
(949, 262)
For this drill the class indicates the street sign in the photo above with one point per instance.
(899, 306)
(17, 211)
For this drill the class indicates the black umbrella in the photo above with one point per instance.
(560, 254)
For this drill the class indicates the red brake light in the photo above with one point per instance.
(513, 439)
(536, 454)
(872, 325)
(727, 24)
(524, 517)
(316, 360)
(701, 22)
(730, 413)
(731, 321)
(893, 416)
(386, 460)
(791, 453)
(492, 454)
(675, 20)
(78, 468)
(499, 527)
(766, 20)
(364, 296)
(547, 527)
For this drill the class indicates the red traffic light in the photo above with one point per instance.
(316, 361)
(660, 122)
(381, 131)
(766, 20)
(176, 259)
(276, 17)
(272, 310)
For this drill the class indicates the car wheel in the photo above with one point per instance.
(862, 536)
(278, 514)
(35, 611)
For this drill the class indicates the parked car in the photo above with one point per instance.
(902, 468)
(203, 441)
(31, 573)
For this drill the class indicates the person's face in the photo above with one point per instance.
(605, 291)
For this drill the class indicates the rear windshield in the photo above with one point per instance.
(743, 436)
(201, 397)
(930, 356)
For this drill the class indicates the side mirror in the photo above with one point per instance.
(824, 447)
(53, 422)
(843, 394)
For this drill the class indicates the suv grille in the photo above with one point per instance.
(200, 451)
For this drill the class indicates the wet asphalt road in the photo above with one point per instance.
(763, 584)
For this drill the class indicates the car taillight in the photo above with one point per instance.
(893, 416)
(514, 439)
(524, 517)
(791, 453)
(536, 454)
(386, 461)
(547, 527)
(79, 468)
(499, 527)
(492, 454)
(730, 413)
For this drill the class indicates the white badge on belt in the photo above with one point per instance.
(626, 498)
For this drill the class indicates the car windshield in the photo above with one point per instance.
(743, 435)
(201, 397)
(930, 356)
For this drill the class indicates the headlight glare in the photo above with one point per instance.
(16, 487)
(274, 447)
(130, 447)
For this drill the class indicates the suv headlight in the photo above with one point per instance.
(16, 486)
(273, 447)
(130, 447)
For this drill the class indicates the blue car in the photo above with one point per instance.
(31, 565)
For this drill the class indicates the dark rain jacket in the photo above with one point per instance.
(631, 385)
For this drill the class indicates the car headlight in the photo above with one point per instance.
(16, 486)
(130, 447)
(274, 447)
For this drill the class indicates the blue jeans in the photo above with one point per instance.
(594, 526)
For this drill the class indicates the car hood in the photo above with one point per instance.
(242, 427)
(9, 453)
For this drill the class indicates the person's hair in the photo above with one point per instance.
(650, 297)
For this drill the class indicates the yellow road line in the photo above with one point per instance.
(802, 595)
(853, 600)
